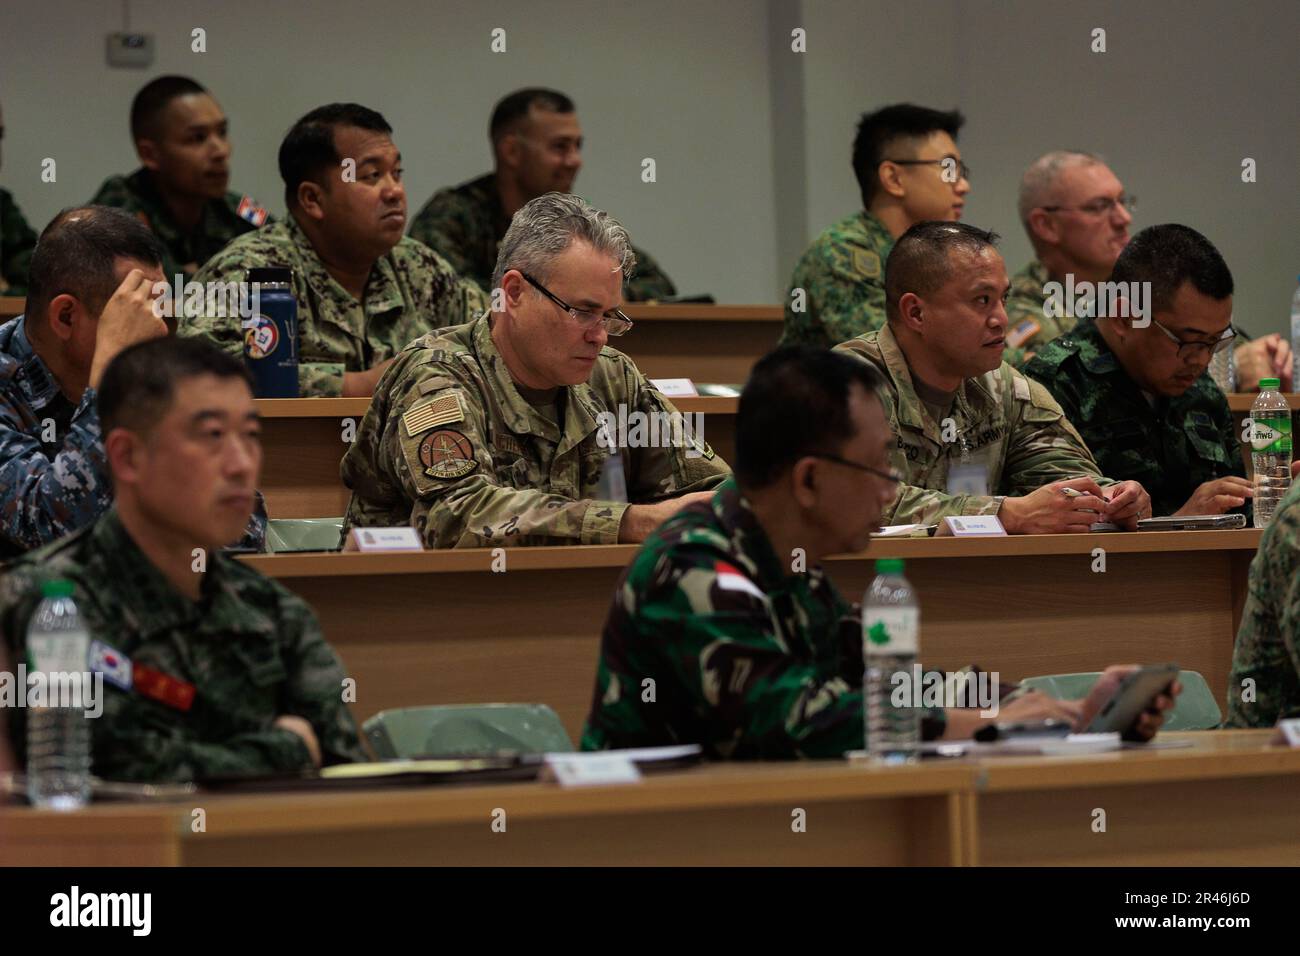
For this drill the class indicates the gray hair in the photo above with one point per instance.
(544, 227)
(1038, 184)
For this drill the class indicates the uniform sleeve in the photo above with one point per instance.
(1043, 446)
(715, 630)
(679, 468)
(45, 499)
(17, 240)
(438, 227)
(1264, 684)
(649, 281)
(841, 300)
(917, 505)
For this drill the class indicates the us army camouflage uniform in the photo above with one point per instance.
(1268, 642)
(251, 650)
(1007, 425)
(54, 480)
(450, 447)
(17, 240)
(843, 274)
(1171, 447)
(1029, 326)
(410, 291)
(465, 226)
(222, 220)
(711, 640)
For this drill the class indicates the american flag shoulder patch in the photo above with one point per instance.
(443, 410)
(251, 211)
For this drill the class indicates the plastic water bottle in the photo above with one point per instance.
(891, 623)
(1295, 337)
(58, 737)
(1270, 446)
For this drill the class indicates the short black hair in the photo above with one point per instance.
(1169, 255)
(308, 149)
(148, 105)
(879, 132)
(77, 254)
(514, 107)
(795, 404)
(137, 388)
(920, 261)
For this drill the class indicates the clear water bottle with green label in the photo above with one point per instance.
(891, 625)
(1270, 449)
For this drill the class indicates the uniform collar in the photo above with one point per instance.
(31, 375)
(382, 291)
(872, 225)
(973, 400)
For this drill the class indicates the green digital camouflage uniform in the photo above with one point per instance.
(17, 240)
(1171, 447)
(1268, 643)
(223, 220)
(410, 291)
(843, 276)
(1002, 423)
(711, 641)
(450, 447)
(251, 651)
(465, 225)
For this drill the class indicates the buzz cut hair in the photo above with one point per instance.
(1038, 184)
(921, 260)
(308, 150)
(153, 99)
(1169, 255)
(546, 226)
(510, 113)
(888, 128)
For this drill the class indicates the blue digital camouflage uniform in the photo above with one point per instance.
(250, 650)
(1267, 652)
(1171, 446)
(53, 473)
(711, 641)
(465, 225)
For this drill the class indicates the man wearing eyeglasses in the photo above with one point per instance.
(974, 435)
(1077, 216)
(1139, 395)
(909, 170)
(495, 433)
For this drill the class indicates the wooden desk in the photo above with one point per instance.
(304, 439)
(442, 627)
(706, 343)
(1229, 799)
(11, 305)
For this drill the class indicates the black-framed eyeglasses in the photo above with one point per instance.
(613, 321)
(1193, 348)
(962, 168)
(891, 476)
(1098, 207)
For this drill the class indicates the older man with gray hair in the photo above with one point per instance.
(522, 427)
(1076, 214)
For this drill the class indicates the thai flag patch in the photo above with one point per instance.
(251, 211)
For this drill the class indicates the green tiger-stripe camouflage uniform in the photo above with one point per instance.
(411, 291)
(465, 225)
(17, 240)
(450, 447)
(1171, 447)
(185, 253)
(710, 641)
(1267, 652)
(252, 651)
(1001, 420)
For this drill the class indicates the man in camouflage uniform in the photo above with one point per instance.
(17, 239)
(974, 436)
(537, 145)
(899, 154)
(228, 672)
(1267, 651)
(1139, 395)
(363, 289)
(726, 631)
(180, 190)
(1076, 214)
(500, 432)
(91, 296)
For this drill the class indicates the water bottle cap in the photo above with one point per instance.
(1269, 383)
(58, 588)
(889, 566)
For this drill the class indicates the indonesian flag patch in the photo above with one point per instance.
(730, 579)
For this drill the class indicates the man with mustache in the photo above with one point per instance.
(364, 290)
(537, 148)
(501, 432)
(1076, 214)
(181, 135)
